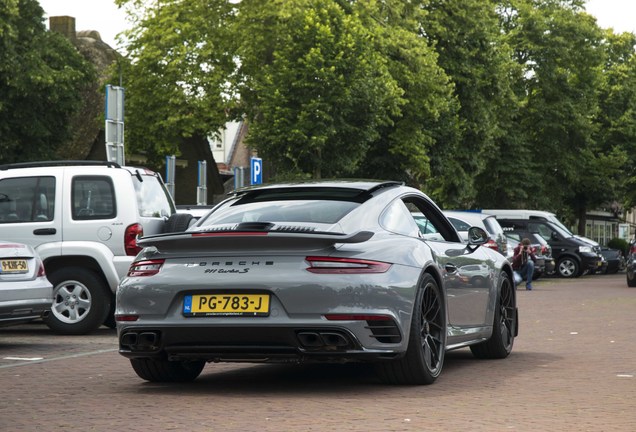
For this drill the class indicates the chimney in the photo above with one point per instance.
(64, 25)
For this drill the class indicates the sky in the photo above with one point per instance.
(100, 15)
(108, 20)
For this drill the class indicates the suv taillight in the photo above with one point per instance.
(130, 239)
(492, 245)
(41, 271)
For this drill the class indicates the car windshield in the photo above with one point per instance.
(562, 227)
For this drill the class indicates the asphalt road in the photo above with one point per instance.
(573, 368)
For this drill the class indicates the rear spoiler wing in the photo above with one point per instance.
(239, 241)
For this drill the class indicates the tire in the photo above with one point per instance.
(504, 326)
(631, 277)
(568, 267)
(110, 317)
(178, 222)
(158, 370)
(424, 356)
(81, 301)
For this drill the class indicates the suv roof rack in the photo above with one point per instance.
(59, 163)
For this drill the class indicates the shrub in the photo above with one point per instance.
(620, 244)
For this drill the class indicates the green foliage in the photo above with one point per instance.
(497, 103)
(620, 244)
(312, 86)
(180, 59)
(41, 79)
(427, 107)
(467, 37)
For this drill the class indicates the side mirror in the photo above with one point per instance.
(554, 235)
(477, 236)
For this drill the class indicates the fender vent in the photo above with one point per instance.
(385, 331)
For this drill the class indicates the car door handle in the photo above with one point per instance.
(45, 231)
(450, 268)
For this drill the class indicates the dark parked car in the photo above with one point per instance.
(614, 258)
(630, 265)
(316, 272)
(573, 256)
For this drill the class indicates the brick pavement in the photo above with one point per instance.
(573, 368)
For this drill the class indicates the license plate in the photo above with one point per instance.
(14, 266)
(226, 305)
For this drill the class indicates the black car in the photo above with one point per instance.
(615, 260)
(630, 265)
(573, 256)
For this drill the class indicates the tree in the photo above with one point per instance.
(617, 115)
(559, 48)
(180, 59)
(466, 35)
(312, 86)
(427, 107)
(41, 79)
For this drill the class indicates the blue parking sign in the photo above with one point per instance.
(256, 171)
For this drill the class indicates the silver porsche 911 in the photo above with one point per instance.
(328, 272)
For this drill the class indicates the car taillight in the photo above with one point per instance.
(41, 271)
(492, 245)
(335, 265)
(126, 318)
(145, 267)
(544, 250)
(130, 239)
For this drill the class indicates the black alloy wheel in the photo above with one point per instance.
(504, 324)
(424, 358)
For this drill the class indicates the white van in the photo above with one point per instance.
(573, 255)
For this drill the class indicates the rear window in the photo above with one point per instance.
(152, 197)
(492, 226)
(459, 225)
(295, 211)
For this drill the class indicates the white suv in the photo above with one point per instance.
(83, 218)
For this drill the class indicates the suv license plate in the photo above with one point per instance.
(14, 266)
(227, 304)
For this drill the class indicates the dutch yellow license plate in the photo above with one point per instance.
(14, 266)
(226, 305)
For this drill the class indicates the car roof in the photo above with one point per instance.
(467, 215)
(362, 185)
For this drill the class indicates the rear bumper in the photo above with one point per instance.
(19, 311)
(234, 344)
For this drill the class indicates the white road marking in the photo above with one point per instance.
(22, 363)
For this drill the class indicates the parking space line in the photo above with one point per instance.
(30, 362)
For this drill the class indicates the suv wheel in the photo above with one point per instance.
(568, 267)
(80, 301)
